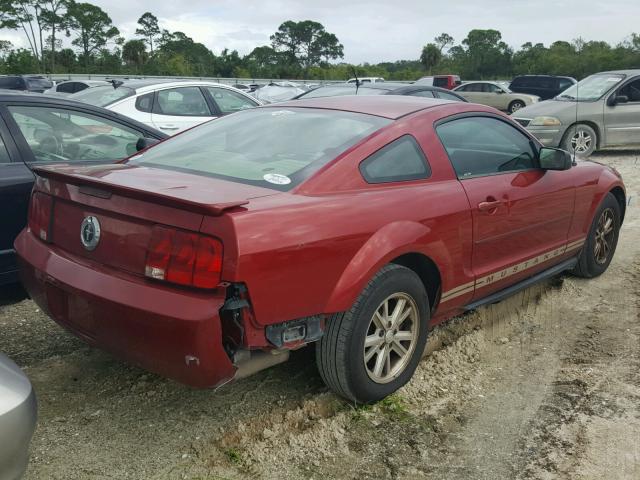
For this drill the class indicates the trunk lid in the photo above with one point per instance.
(128, 201)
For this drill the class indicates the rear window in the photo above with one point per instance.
(103, 96)
(268, 147)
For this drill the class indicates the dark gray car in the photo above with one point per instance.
(601, 111)
(18, 415)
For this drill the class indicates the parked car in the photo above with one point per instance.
(364, 80)
(386, 88)
(18, 416)
(496, 95)
(73, 86)
(29, 83)
(355, 222)
(446, 81)
(424, 81)
(277, 92)
(171, 106)
(543, 86)
(41, 130)
(601, 111)
(243, 87)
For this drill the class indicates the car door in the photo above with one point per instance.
(176, 109)
(521, 213)
(16, 181)
(472, 92)
(226, 101)
(622, 119)
(496, 97)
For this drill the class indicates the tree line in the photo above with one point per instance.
(302, 49)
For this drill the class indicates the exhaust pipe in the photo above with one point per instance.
(249, 362)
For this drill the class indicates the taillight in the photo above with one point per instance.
(40, 215)
(184, 258)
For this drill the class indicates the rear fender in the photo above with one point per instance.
(389, 242)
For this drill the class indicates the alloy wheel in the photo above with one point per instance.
(391, 338)
(604, 236)
(581, 141)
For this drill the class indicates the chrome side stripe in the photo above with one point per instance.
(509, 271)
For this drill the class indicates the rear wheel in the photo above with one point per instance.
(374, 348)
(580, 139)
(602, 240)
(515, 106)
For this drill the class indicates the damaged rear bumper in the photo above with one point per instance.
(175, 333)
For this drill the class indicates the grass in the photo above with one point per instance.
(234, 455)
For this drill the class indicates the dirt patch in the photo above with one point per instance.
(544, 385)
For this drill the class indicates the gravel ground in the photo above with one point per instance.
(545, 385)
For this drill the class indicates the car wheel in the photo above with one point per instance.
(373, 349)
(601, 243)
(580, 139)
(516, 105)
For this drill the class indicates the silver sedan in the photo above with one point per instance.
(18, 415)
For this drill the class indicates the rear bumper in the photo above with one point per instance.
(175, 333)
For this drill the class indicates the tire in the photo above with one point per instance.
(591, 262)
(340, 353)
(515, 106)
(580, 139)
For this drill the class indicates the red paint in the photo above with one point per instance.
(305, 252)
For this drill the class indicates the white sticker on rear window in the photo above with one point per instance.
(277, 179)
(613, 79)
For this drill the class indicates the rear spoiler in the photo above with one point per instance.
(94, 187)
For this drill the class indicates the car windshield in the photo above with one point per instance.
(103, 96)
(591, 88)
(342, 90)
(276, 148)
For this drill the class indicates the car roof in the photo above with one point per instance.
(149, 84)
(387, 106)
(620, 72)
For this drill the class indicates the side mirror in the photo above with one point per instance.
(500, 92)
(144, 142)
(616, 99)
(554, 159)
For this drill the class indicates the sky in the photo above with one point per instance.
(376, 31)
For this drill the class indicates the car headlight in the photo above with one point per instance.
(545, 122)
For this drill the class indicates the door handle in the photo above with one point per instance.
(489, 205)
(169, 127)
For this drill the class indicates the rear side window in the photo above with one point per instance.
(144, 103)
(67, 87)
(182, 102)
(480, 146)
(399, 161)
(10, 82)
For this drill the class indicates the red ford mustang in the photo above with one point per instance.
(353, 222)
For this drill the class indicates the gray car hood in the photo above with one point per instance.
(548, 108)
